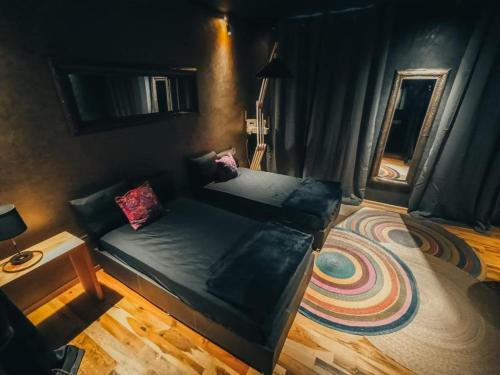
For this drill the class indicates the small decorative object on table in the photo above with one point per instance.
(62, 244)
(11, 226)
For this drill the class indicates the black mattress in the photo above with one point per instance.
(263, 194)
(178, 251)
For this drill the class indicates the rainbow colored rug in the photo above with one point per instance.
(407, 285)
(401, 232)
(359, 287)
(457, 327)
(390, 173)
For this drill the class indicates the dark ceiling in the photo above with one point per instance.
(272, 10)
(276, 9)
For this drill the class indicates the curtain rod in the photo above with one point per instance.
(340, 11)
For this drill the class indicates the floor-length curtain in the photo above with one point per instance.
(322, 117)
(460, 180)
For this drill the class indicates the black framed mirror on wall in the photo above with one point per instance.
(97, 97)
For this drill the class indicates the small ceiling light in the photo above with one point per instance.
(228, 26)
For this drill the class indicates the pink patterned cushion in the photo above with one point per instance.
(140, 205)
(226, 168)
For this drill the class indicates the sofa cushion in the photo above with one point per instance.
(98, 212)
(140, 205)
(202, 169)
(226, 168)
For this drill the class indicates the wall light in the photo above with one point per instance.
(228, 26)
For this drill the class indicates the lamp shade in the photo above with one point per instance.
(275, 69)
(11, 223)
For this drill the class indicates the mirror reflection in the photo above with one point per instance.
(98, 97)
(101, 96)
(409, 114)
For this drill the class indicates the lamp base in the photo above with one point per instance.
(21, 258)
(22, 261)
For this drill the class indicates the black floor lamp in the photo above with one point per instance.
(274, 69)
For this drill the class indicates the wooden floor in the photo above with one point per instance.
(127, 335)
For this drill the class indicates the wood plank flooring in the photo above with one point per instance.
(127, 335)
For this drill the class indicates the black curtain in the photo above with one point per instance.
(323, 118)
(460, 180)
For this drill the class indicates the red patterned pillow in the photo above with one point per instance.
(226, 168)
(140, 205)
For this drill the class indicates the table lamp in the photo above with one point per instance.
(11, 226)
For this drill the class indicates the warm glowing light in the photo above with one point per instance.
(228, 26)
(223, 74)
(223, 38)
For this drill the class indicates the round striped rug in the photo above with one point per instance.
(389, 173)
(359, 287)
(396, 231)
(457, 327)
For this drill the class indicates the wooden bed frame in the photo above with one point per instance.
(260, 357)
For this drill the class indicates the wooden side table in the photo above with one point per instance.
(60, 245)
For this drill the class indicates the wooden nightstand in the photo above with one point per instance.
(60, 245)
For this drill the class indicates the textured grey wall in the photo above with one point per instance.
(43, 165)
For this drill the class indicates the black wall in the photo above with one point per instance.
(43, 165)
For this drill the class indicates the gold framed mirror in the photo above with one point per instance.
(410, 112)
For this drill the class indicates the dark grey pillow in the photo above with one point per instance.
(203, 168)
(99, 212)
(161, 183)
